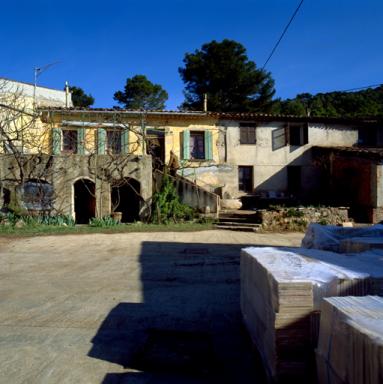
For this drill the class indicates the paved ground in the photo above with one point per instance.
(126, 308)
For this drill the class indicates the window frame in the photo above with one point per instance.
(200, 134)
(109, 148)
(250, 179)
(303, 134)
(244, 136)
(75, 141)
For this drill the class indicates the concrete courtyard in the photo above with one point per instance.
(126, 308)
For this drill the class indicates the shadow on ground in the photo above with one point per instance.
(188, 327)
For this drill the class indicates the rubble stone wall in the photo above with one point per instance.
(290, 219)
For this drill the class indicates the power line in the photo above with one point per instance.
(348, 90)
(360, 88)
(283, 33)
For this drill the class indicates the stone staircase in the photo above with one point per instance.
(238, 220)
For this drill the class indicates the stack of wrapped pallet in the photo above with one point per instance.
(350, 346)
(281, 292)
(344, 240)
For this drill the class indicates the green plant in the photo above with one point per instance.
(167, 206)
(322, 222)
(103, 222)
(32, 221)
(293, 212)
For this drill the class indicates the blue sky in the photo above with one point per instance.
(331, 45)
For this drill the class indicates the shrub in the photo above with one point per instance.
(167, 206)
(293, 212)
(103, 222)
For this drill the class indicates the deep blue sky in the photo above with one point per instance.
(331, 45)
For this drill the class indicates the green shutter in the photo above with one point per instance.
(125, 141)
(208, 145)
(101, 137)
(81, 141)
(186, 145)
(56, 141)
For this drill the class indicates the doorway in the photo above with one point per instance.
(84, 201)
(294, 177)
(125, 198)
(245, 178)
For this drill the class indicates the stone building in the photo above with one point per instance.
(93, 162)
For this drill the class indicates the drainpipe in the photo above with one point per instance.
(143, 131)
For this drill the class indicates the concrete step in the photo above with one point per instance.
(237, 223)
(238, 227)
(244, 220)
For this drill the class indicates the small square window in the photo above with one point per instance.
(247, 133)
(298, 134)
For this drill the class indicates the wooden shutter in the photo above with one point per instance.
(101, 140)
(186, 144)
(279, 138)
(81, 141)
(243, 139)
(305, 133)
(251, 135)
(56, 141)
(208, 145)
(125, 141)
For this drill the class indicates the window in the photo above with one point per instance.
(247, 133)
(245, 178)
(298, 134)
(197, 146)
(36, 195)
(367, 136)
(113, 141)
(293, 134)
(69, 143)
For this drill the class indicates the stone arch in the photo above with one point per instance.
(84, 195)
(126, 198)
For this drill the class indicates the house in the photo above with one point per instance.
(96, 161)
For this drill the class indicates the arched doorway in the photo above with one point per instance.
(125, 197)
(84, 200)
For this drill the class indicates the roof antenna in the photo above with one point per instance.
(37, 72)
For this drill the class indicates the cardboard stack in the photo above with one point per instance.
(281, 292)
(350, 346)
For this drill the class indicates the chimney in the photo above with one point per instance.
(205, 102)
(66, 95)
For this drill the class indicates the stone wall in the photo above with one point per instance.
(62, 172)
(291, 219)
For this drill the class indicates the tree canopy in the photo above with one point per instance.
(80, 98)
(363, 103)
(231, 81)
(141, 93)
